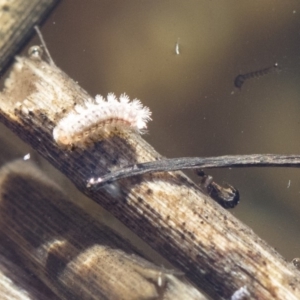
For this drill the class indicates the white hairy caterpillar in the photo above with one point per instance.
(97, 115)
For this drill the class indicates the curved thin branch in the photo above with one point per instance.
(175, 164)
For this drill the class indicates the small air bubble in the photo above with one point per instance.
(26, 157)
(296, 262)
(35, 52)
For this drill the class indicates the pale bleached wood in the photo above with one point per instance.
(167, 210)
(76, 256)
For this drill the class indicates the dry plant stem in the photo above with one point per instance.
(167, 210)
(17, 284)
(17, 18)
(74, 255)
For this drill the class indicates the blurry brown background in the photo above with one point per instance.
(129, 46)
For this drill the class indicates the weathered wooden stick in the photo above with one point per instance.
(17, 18)
(167, 210)
(73, 254)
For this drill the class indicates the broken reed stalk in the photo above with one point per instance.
(167, 210)
(75, 255)
(17, 18)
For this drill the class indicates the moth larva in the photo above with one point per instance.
(240, 79)
(97, 115)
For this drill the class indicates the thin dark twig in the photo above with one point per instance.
(175, 164)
